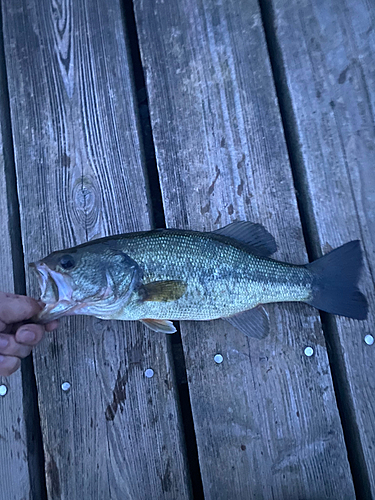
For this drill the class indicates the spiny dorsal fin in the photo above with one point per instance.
(256, 237)
(253, 323)
(159, 325)
(163, 291)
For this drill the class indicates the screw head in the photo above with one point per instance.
(65, 386)
(369, 339)
(218, 358)
(309, 351)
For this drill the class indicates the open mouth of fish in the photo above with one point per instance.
(56, 292)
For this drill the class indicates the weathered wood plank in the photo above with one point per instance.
(14, 474)
(115, 434)
(266, 419)
(14, 471)
(328, 53)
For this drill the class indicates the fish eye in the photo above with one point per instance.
(67, 262)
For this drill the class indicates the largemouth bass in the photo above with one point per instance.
(171, 274)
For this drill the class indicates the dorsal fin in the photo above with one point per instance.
(256, 237)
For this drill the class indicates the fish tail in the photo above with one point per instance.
(335, 278)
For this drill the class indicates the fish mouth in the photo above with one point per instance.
(56, 292)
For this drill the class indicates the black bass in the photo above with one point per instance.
(171, 274)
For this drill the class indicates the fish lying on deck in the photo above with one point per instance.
(171, 274)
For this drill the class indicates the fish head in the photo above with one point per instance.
(95, 279)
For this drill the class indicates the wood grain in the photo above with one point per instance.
(14, 471)
(266, 420)
(115, 434)
(328, 52)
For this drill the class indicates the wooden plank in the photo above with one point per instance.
(14, 473)
(266, 420)
(115, 433)
(328, 52)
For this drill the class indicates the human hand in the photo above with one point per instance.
(17, 340)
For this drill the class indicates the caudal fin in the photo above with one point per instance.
(335, 282)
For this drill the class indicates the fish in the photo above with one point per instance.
(165, 275)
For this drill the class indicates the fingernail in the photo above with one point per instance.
(3, 342)
(1, 358)
(26, 336)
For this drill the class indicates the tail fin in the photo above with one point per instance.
(335, 282)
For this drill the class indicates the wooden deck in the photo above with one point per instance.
(258, 111)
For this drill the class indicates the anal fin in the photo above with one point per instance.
(159, 325)
(253, 323)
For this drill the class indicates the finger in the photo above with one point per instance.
(8, 365)
(10, 347)
(51, 326)
(7, 328)
(30, 334)
(15, 308)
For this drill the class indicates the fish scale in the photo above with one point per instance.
(222, 279)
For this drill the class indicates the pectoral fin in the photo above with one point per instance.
(159, 325)
(253, 323)
(163, 291)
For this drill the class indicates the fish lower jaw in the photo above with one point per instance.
(56, 310)
(108, 309)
